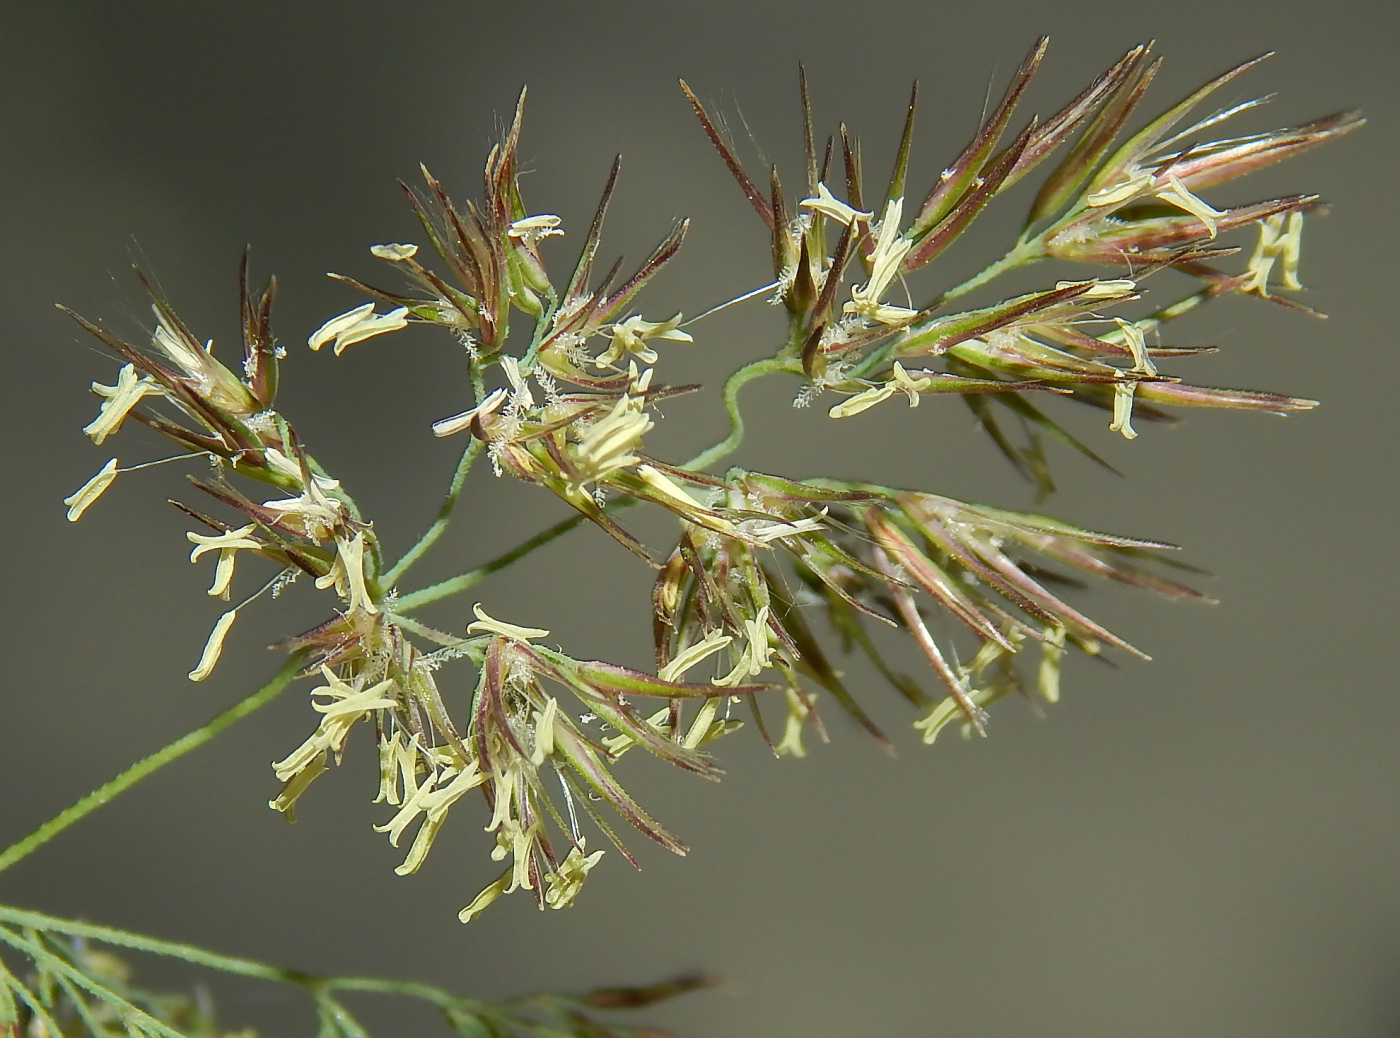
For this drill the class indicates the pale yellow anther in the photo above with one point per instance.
(544, 731)
(1290, 246)
(483, 900)
(790, 745)
(631, 337)
(700, 728)
(357, 325)
(334, 577)
(297, 785)
(411, 809)
(393, 253)
(455, 424)
(351, 554)
(520, 391)
(861, 401)
(1177, 194)
(607, 444)
(118, 400)
(757, 652)
(347, 704)
(522, 842)
(280, 463)
(1052, 650)
(1121, 191)
(1280, 240)
(1123, 409)
(1101, 289)
(490, 625)
(690, 656)
(910, 387)
(775, 531)
(227, 545)
(668, 487)
(214, 647)
(829, 205)
(1136, 341)
(900, 382)
(314, 510)
(504, 789)
(564, 885)
(390, 753)
(81, 499)
(675, 493)
(434, 807)
(532, 228)
(885, 264)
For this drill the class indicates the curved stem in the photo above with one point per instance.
(134, 774)
(716, 452)
(726, 446)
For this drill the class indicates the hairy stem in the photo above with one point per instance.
(237, 965)
(736, 381)
(134, 774)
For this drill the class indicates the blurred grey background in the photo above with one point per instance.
(1203, 845)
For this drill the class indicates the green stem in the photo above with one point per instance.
(154, 945)
(1026, 251)
(237, 965)
(454, 490)
(333, 1012)
(72, 978)
(134, 774)
(453, 585)
(736, 381)
(508, 1014)
(444, 516)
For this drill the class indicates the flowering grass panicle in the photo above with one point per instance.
(763, 580)
(766, 576)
